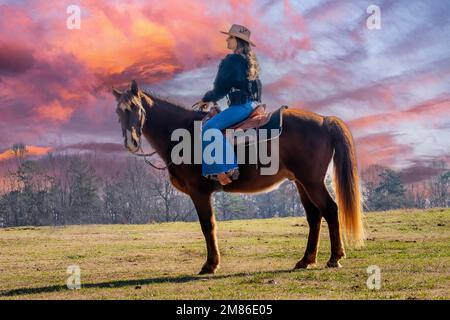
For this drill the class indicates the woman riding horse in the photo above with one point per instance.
(307, 145)
(238, 78)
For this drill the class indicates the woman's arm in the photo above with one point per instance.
(223, 81)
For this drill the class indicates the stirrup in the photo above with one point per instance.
(233, 174)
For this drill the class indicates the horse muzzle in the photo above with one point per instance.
(132, 141)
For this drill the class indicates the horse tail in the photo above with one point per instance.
(346, 181)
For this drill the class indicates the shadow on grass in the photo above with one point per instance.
(135, 282)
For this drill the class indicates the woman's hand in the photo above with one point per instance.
(201, 105)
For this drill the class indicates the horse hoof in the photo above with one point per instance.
(302, 264)
(208, 269)
(333, 264)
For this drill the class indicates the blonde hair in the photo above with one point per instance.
(243, 48)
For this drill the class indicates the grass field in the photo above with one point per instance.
(160, 261)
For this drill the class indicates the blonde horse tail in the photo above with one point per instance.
(346, 181)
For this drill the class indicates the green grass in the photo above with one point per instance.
(160, 261)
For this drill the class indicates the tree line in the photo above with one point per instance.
(383, 189)
(89, 188)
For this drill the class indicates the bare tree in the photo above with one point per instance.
(19, 150)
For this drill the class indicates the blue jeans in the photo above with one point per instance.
(230, 116)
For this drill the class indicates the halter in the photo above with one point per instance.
(136, 100)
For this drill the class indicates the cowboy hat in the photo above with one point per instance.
(240, 32)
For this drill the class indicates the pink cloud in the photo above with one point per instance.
(54, 112)
(434, 108)
(381, 149)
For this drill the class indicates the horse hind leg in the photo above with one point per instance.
(314, 219)
(328, 209)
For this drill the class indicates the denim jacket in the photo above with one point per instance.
(232, 73)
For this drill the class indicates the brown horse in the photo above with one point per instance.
(307, 144)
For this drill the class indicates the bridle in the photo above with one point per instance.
(142, 118)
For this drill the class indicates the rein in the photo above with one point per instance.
(145, 155)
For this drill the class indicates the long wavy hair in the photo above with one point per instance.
(243, 48)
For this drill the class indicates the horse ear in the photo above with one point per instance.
(134, 87)
(116, 93)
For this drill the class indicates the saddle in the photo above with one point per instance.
(258, 119)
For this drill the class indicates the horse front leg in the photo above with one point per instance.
(202, 203)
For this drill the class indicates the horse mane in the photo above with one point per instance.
(165, 100)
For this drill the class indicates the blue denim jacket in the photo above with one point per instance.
(232, 73)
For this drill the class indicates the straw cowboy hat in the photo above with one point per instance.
(240, 32)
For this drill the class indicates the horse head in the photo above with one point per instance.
(132, 114)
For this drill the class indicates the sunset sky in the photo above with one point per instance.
(392, 86)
